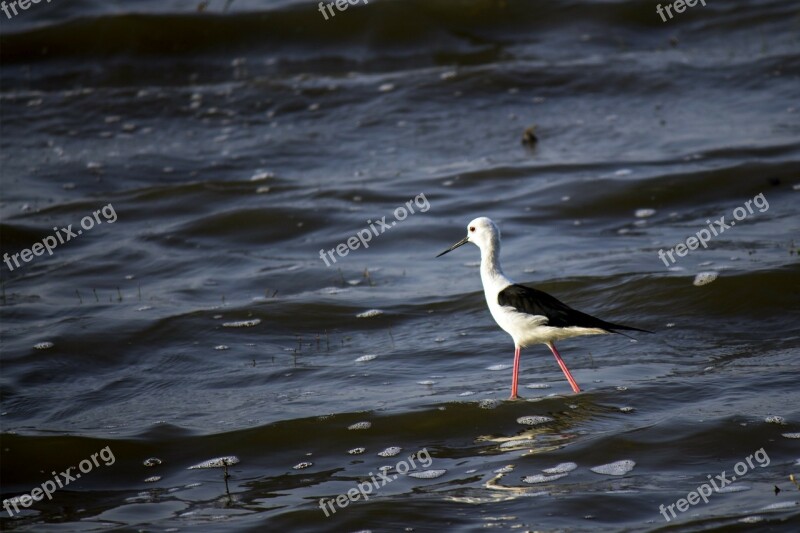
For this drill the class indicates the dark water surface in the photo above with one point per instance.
(193, 317)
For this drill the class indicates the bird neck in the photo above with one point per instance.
(491, 272)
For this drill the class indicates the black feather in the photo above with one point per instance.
(560, 315)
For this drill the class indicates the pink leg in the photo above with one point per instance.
(515, 376)
(564, 368)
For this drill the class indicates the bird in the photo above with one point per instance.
(529, 315)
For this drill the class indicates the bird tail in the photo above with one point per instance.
(614, 327)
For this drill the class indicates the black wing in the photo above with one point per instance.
(559, 315)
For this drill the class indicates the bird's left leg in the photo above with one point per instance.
(564, 368)
(515, 376)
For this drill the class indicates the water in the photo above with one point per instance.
(195, 319)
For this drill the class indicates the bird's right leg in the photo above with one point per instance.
(515, 376)
(564, 368)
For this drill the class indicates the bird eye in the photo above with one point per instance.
(472, 228)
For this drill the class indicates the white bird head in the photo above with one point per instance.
(482, 232)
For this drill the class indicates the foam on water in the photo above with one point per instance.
(242, 323)
(43, 345)
(365, 358)
(561, 468)
(617, 468)
(217, 462)
(428, 474)
(775, 419)
(370, 313)
(704, 278)
(360, 425)
(534, 420)
(391, 451)
(541, 478)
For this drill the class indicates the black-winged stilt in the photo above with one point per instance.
(530, 316)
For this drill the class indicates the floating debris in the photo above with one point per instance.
(304, 464)
(43, 345)
(152, 479)
(428, 474)
(561, 468)
(242, 323)
(775, 419)
(365, 358)
(704, 278)
(534, 420)
(540, 478)
(390, 451)
(370, 313)
(217, 462)
(360, 425)
(618, 468)
(356, 451)
(152, 461)
(529, 136)
(644, 213)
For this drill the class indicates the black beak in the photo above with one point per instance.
(462, 242)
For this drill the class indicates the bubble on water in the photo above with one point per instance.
(489, 403)
(426, 382)
(365, 358)
(356, 451)
(439, 339)
(360, 425)
(775, 419)
(386, 87)
(152, 461)
(704, 278)
(428, 474)
(627, 409)
(736, 487)
(304, 464)
(540, 478)
(561, 468)
(644, 212)
(617, 468)
(370, 313)
(670, 325)
(534, 420)
(221, 347)
(537, 386)
(622, 388)
(791, 435)
(43, 345)
(217, 462)
(242, 323)
(152, 479)
(391, 451)
(498, 367)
